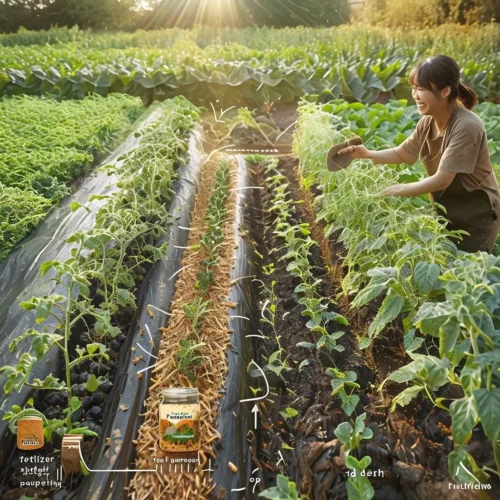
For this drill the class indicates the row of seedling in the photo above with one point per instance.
(189, 354)
(297, 244)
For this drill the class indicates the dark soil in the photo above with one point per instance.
(410, 446)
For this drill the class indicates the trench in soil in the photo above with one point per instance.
(410, 445)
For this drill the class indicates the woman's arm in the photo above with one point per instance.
(437, 182)
(382, 157)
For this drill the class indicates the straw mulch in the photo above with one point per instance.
(210, 375)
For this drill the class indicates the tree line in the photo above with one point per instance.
(130, 15)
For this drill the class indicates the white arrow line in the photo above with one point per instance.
(267, 385)
(468, 472)
(181, 269)
(112, 470)
(151, 306)
(152, 355)
(222, 113)
(255, 411)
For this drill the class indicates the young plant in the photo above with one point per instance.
(195, 311)
(358, 485)
(66, 311)
(189, 356)
(284, 490)
(350, 436)
(344, 384)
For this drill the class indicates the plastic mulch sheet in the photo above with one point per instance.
(236, 417)
(121, 420)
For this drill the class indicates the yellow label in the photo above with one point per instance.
(180, 427)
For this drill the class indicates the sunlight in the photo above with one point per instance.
(213, 12)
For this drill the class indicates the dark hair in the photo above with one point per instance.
(438, 72)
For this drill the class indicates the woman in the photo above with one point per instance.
(451, 142)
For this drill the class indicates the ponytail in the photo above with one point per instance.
(466, 96)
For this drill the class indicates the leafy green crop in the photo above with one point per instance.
(399, 248)
(20, 213)
(44, 145)
(264, 65)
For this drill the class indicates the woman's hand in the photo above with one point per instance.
(356, 152)
(437, 182)
(395, 190)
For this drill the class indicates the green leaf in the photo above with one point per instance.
(349, 403)
(74, 206)
(358, 486)
(92, 383)
(464, 417)
(46, 266)
(307, 345)
(124, 298)
(83, 287)
(83, 430)
(49, 382)
(75, 403)
(488, 408)
(303, 363)
(285, 490)
(343, 432)
(426, 275)
(405, 397)
(432, 315)
(92, 348)
(448, 336)
(410, 342)
(289, 413)
(389, 310)
(369, 293)
(464, 468)
(42, 311)
(103, 325)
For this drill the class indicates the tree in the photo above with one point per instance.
(42, 14)
(427, 13)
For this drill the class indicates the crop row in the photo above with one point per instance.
(98, 282)
(456, 40)
(46, 144)
(339, 62)
(190, 350)
(296, 252)
(398, 250)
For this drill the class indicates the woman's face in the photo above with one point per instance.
(427, 101)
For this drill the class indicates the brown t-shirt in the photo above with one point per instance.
(463, 150)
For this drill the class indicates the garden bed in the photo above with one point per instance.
(409, 447)
(99, 303)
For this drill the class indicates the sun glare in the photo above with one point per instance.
(212, 12)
